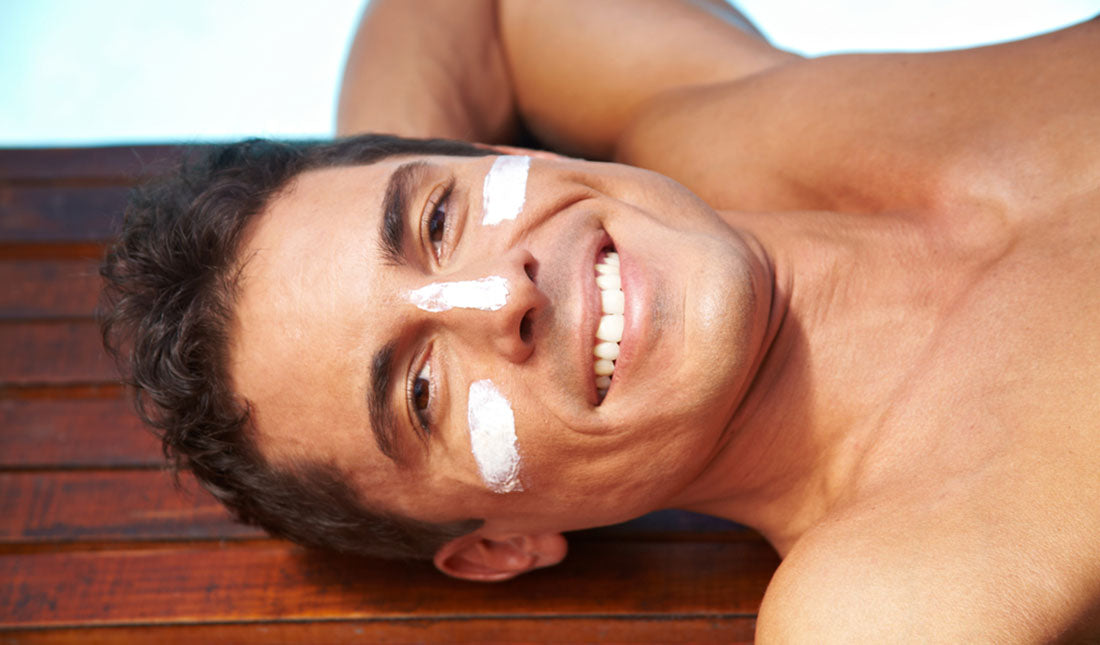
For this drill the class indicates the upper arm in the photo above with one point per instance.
(846, 600)
(577, 72)
(869, 133)
(907, 586)
(836, 604)
(581, 71)
(427, 68)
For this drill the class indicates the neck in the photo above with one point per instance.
(848, 323)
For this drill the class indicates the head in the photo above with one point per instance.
(167, 313)
(331, 360)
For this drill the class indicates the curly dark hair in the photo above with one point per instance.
(171, 281)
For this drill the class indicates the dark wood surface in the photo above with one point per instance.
(99, 544)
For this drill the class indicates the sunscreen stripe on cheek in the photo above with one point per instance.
(493, 437)
(505, 189)
(486, 294)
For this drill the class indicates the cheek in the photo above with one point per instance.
(603, 479)
(481, 452)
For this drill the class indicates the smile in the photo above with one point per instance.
(610, 328)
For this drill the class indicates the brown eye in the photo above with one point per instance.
(437, 223)
(434, 221)
(421, 396)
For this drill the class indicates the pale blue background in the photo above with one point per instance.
(89, 72)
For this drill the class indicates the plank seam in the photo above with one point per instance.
(669, 617)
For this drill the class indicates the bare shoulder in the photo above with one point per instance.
(901, 584)
(874, 132)
(860, 591)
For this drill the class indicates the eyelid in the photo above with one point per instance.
(441, 194)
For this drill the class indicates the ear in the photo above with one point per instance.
(525, 152)
(483, 559)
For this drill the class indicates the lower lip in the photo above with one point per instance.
(636, 296)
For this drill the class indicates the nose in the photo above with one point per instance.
(494, 305)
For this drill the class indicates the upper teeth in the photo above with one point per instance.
(610, 330)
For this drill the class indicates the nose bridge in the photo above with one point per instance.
(489, 306)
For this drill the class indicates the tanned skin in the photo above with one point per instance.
(921, 442)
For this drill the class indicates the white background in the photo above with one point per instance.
(89, 72)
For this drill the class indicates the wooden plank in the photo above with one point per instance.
(110, 505)
(224, 583)
(72, 391)
(53, 352)
(52, 250)
(120, 164)
(74, 433)
(48, 288)
(60, 214)
(724, 628)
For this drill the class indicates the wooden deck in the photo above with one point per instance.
(97, 546)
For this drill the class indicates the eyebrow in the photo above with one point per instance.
(400, 189)
(399, 192)
(383, 421)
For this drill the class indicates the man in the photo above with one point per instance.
(880, 351)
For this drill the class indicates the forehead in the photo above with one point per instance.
(316, 202)
(315, 235)
(308, 312)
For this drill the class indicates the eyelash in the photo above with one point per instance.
(439, 207)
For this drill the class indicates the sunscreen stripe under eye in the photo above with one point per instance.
(493, 437)
(505, 189)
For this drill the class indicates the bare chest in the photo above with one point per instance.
(1009, 374)
(992, 451)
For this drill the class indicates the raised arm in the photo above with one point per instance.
(581, 71)
(428, 68)
(576, 72)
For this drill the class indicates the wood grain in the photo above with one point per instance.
(719, 628)
(110, 505)
(74, 433)
(52, 250)
(120, 164)
(60, 213)
(53, 352)
(43, 288)
(276, 582)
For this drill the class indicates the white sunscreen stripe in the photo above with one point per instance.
(493, 437)
(505, 189)
(487, 294)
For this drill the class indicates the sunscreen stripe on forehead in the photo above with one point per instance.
(487, 294)
(505, 189)
(493, 437)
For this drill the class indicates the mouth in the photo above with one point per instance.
(609, 330)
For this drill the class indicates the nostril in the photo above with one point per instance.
(529, 269)
(525, 327)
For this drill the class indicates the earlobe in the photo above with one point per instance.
(493, 559)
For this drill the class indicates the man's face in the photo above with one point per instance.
(327, 330)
